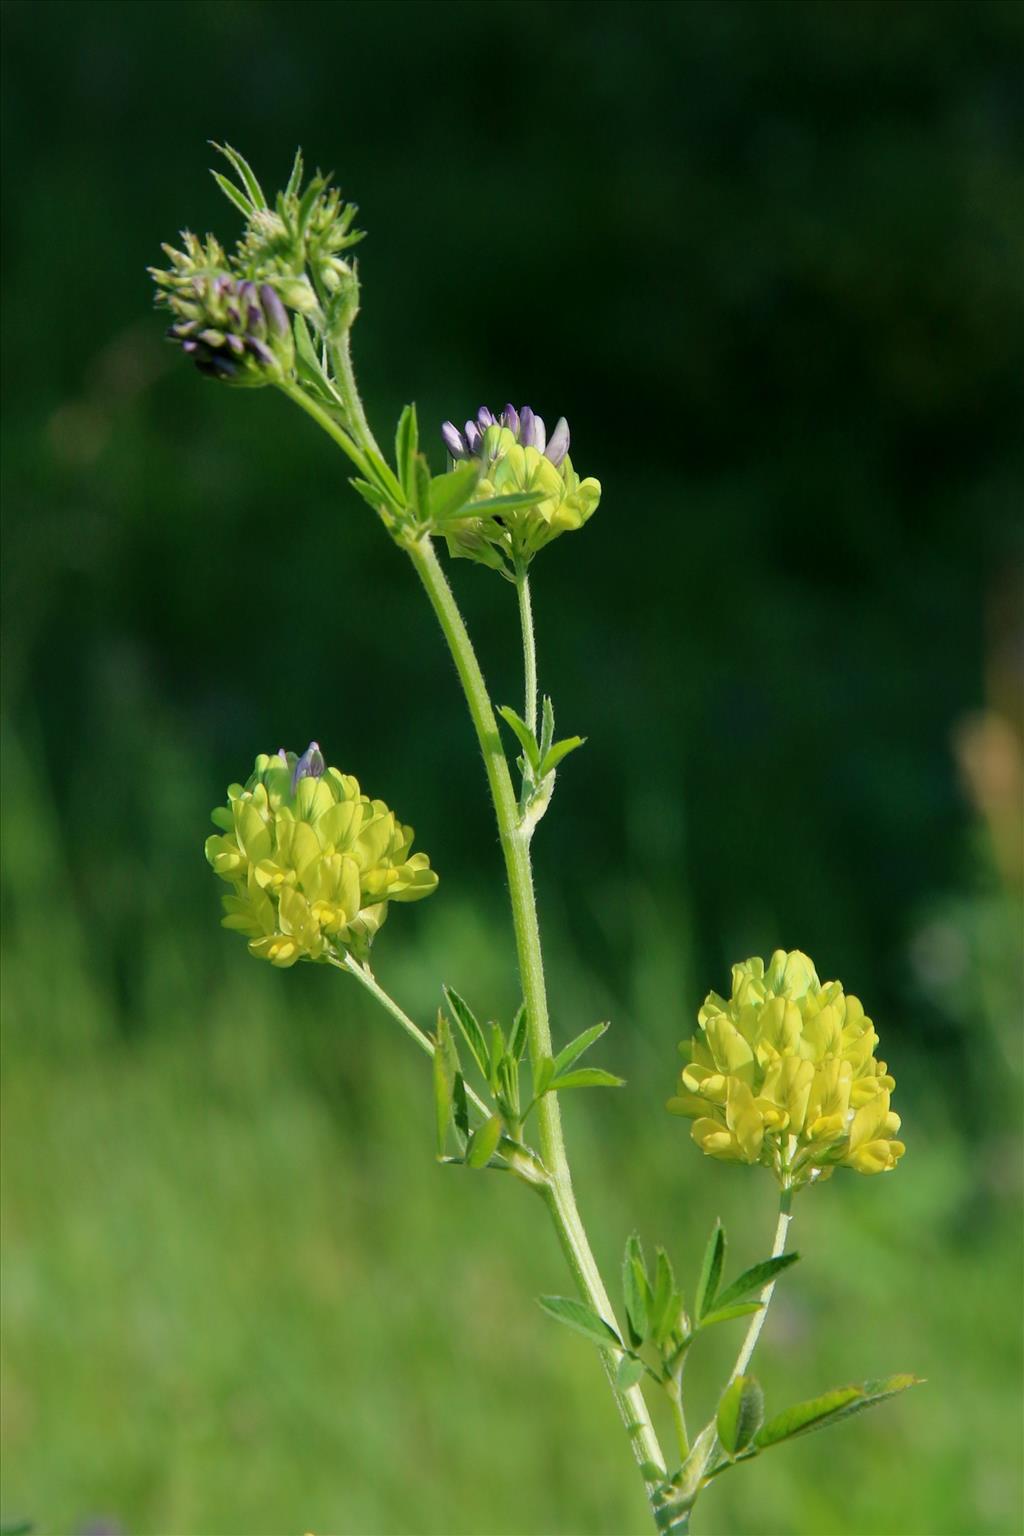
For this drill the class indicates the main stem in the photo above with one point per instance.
(515, 847)
(757, 1321)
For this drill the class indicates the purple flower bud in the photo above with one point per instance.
(453, 440)
(247, 292)
(221, 285)
(260, 351)
(277, 315)
(473, 437)
(235, 344)
(558, 445)
(485, 418)
(510, 419)
(212, 338)
(540, 435)
(217, 367)
(526, 427)
(254, 322)
(190, 347)
(309, 766)
(235, 315)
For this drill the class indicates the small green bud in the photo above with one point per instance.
(312, 862)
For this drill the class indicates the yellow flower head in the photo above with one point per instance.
(311, 861)
(784, 1073)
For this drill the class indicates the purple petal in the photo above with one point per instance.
(526, 420)
(485, 418)
(473, 437)
(190, 346)
(540, 435)
(453, 440)
(558, 443)
(259, 350)
(510, 419)
(309, 766)
(277, 315)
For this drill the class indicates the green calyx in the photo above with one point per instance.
(503, 535)
(784, 1073)
(312, 862)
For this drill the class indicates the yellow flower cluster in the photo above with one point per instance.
(784, 1073)
(311, 861)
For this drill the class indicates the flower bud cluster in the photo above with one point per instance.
(784, 1073)
(232, 328)
(517, 458)
(312, 862)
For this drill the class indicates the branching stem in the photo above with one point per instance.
(757, 1321)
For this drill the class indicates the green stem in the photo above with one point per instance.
(757, 1321)
(679, 1419)
(515, 847)
(366, 978)
(529, 647)
(345, 381)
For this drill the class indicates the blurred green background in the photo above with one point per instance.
(766, 257)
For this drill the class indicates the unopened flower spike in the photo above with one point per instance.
(784, 1073)
(517, 458)
(312, 863)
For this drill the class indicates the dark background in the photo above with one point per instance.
(766, 258)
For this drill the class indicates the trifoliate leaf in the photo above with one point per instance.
(581, 1318)
(755, 1278)
(484, 1142)
(740, 1413)
(710, 1272)
(569, 1053)
(817, 1412)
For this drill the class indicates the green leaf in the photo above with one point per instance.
(636, 1291)
(460, 1109)
(569, 1053)
(518, 1037)
(385, 477)
(726, 1314)
(756, 1278)
(445, 1067)
(523, 734)
(710, 1272)
(667, 1304)
(244, 172)
(232, 193)
(407, 442)
(295, 178)
(547, 725)
(484, 1143)
(817, 1412)
(450, 492)
(628, 1372)
(420, 497)
(371, 494)
(516, 501)
(543, 1071)
(497, 1052)
(587, 1077)
(574, 1314)
(560, 750)
(690, 1475)
(473, 1035)
(740, 1413)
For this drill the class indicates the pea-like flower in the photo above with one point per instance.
(232, 328)
(784, 1073)
(517, 458)
(312, 862)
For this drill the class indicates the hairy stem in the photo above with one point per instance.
(367, 979)
(529, 648)
(757, 1321)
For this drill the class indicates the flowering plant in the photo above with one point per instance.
(782, 1074)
